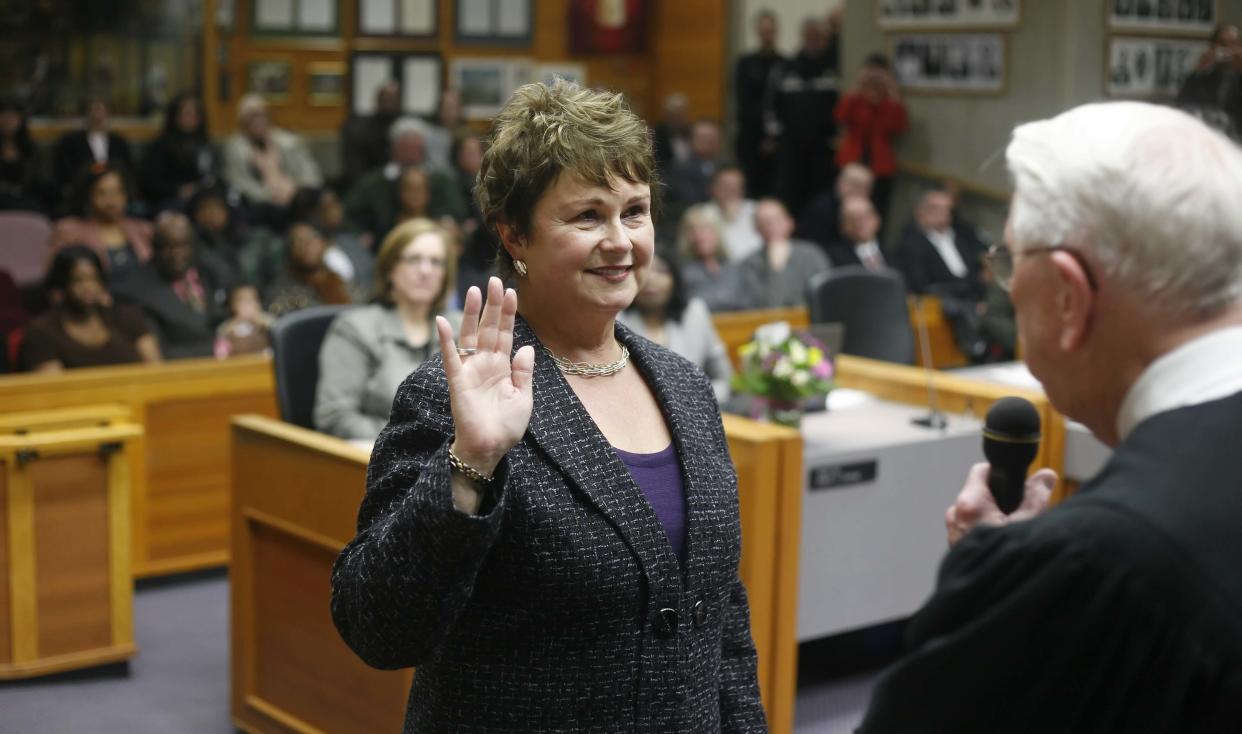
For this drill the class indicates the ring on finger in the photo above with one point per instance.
(466, 351)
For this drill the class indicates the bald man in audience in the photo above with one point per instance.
(821, 222)
(1120, 609)
(776, 275)
(858, 243)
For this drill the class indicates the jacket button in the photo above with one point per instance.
(700, 613)
(665, 623)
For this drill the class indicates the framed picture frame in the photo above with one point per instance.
(325, 83)
(486, 83)
(612, 28)
(420, 77)
(928, 15)
(316, 18)
(950, 63)
(1148, 67)
(407, 19)
(1163, 17)
(494, 22)
(272, 79)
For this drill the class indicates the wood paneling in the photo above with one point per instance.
(180, 473)
(71, 553)
(6, 619)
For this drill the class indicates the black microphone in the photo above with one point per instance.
(1010, 442)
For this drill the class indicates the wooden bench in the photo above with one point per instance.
(66, 588)
(181, 465)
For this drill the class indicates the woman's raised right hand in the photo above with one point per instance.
(489, 392)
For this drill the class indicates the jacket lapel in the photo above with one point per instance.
(563, 429)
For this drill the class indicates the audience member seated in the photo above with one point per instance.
(705, 267)
(377, 202)
(821, 221)
(755, 145)
(776, 276)
(93, 146)
(12, 309)
(99, 203)
(306, 280)
(248, 329)
(871, 115)
(689, 181)
(1213, 91)
(671, 136)
(665, 313)
(83, 327)
(440, 135)
(369, 351)
(938, 257)
(346, 255)
(736, 213)
(181, 161)
(265, 164)
(479, 244)
(183, 291)
(364, 138)
(252, 254)
(858, 244)
(21, 186)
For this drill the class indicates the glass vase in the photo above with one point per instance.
(785, 412)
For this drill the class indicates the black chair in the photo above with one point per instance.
(295, 358)
(871, 305)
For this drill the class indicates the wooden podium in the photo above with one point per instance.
(66, 588)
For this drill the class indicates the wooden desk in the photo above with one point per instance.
(181, 468)
(296, 497)
(66, 588)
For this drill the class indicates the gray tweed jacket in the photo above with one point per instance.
(561, 607)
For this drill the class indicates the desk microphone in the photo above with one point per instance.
(1010, 442)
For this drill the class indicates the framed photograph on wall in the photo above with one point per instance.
(398, 18)
(608, 26)
(953, 63)
(1177, 17)
(1150, 68)
(494, 22)
(486, 83)
(418, 75)
(922, 15)
(325, 83)
(271, 79)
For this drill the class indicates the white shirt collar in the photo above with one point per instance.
(1202, 370)
(945, 244)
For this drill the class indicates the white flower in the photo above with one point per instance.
(800, 379)
(797, 352)
(783, 368)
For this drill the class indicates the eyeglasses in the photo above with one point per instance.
(1001, 261)
(417, 260)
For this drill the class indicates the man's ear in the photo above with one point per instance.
(1075, 300)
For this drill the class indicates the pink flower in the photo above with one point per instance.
(823, 370)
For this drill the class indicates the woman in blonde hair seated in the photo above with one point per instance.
(706, 270)
(369, 350)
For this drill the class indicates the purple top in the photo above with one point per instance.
(658, 475)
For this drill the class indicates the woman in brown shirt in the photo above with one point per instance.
(84, 328)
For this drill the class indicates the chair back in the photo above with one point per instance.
(871, 305)
(296, 338)
(24, 245)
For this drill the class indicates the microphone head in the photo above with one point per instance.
(1013, 420)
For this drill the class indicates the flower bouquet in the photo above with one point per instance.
(782, 369)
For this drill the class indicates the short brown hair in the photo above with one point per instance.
(545, 130)
(389, 256)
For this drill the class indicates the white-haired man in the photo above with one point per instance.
(1121, 609)
(265, 164)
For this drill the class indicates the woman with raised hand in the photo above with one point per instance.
(550, 533)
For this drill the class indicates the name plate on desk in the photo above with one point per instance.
(834, 476)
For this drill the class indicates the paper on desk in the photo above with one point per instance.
(843, 398)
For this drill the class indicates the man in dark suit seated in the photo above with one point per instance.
(938, 257)
(821, 221)
(94, 144)
(857, 243)
(690, 181)
(182, 291)
(364, 138)
(1118, 609)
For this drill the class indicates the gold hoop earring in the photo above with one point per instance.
(520, 268)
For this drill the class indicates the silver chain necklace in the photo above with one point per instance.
(589, 369)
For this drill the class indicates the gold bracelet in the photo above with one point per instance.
(466, 470)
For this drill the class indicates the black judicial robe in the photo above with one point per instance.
(1118, 611)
